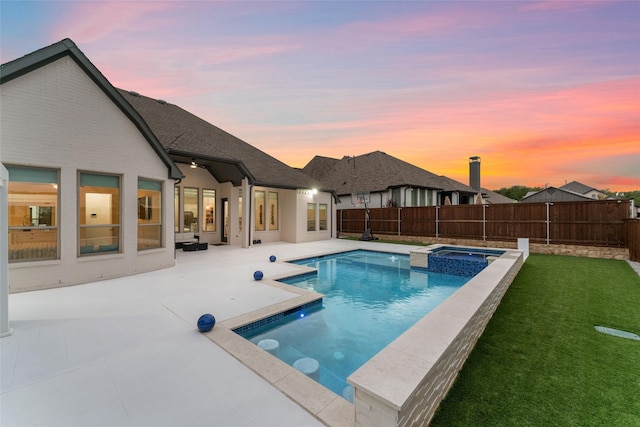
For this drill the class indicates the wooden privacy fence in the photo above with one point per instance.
(633, 233)
(593, 223)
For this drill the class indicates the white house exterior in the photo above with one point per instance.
(233, 193)
(290, 215)
(78, 166)
(100, 179)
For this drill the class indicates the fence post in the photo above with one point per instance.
(548, 221)
(484, 222)
(399, 221)
(437, 209)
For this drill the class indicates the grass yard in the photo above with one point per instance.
(540, 362)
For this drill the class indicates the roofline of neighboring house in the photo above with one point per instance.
(32, 61)
(426, 187)
(559, 189)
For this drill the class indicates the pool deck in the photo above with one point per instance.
(126, 352)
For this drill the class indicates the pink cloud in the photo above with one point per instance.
(430, 22)
(91, 21)
(556, 5)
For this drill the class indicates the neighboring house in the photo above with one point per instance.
(579, 188)
(571, 192)
(492, 198)
(388, 181)
(554, 194)
(100, 179)
(89, 191)
(220, 169)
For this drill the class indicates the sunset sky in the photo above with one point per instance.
(545, 92)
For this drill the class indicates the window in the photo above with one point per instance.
(259, 195)
(190, 210)
(33, 214)
(311, 217)
(273, 211)
(323, 216)
(209, 206)
(149, 214)
(99, 213)
(396, 196)
(429, 197)
(414, 196)
(176, 209)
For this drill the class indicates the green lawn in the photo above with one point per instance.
(540, 362)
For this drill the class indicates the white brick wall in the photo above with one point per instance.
(57, 117)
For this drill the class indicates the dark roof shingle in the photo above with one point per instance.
(376, 171)
(180, 131)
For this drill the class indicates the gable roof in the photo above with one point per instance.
(551, 194)
(228, 158)
(375, 172)
(578, 187)
(30, 62)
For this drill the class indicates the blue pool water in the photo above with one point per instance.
(370, 298)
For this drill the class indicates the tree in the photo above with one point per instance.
(625, 195)
(516, 192)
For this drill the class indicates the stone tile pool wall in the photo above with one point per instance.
(456, 266)
(404, 383)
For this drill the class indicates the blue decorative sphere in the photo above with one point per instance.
(206, 322)
(272, 258)
(258, 275)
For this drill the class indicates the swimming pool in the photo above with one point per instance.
(370, 298)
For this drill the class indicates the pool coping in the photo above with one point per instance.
(322, 403)
(372, 379)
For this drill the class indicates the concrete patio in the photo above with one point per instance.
(126, 352)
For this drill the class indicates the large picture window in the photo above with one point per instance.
(99, 213)
(260, 211)
(209, 206)
(149, 214)
(33, 214)
(311, 217)
(273, 211)
(323, 216)
(190, 210)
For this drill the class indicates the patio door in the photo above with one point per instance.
(225, 220)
